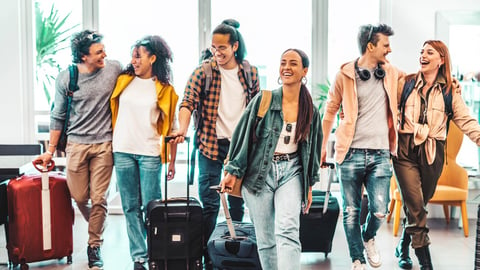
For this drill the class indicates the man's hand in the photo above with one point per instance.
(43, 159)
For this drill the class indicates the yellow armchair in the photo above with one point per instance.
(452, 188)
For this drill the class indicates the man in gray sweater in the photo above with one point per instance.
(89, 147)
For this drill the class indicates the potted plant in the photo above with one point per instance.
(52, 32)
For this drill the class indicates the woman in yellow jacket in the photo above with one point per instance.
(143, 111)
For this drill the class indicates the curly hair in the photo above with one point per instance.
(81, 42)
(155, 45)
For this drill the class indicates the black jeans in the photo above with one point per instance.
(210, 173)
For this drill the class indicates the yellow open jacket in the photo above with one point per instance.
(166, 101)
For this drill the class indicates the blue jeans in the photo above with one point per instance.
(372, 169)
(210, 173)
(138, 179)
(278, 206)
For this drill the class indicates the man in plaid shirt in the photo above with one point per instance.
(221, 108)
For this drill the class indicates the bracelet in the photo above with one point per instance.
(50, 153)
(52, 145)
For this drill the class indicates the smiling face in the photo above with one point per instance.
(430, 60)
(96, 57)
(142, 62)
(223, 51)
(381, 50)
(291, 68)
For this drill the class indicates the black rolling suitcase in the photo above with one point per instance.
(174, 233)
(233, 245)
(318, 226)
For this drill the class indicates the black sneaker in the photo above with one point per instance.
(94, 257)
(138, 266)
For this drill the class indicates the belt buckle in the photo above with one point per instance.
(283, 157)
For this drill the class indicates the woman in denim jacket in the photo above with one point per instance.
(286, 158)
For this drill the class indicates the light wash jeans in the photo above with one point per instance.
(138, 179)
(275, 213)
(371, 168)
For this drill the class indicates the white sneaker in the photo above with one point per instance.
(357, 265)
(373, 256)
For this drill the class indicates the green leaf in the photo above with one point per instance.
(52, 36)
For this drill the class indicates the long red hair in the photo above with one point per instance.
(445, 69)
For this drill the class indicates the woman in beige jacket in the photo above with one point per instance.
(421, 140)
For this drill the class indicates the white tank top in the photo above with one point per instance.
(286, 142)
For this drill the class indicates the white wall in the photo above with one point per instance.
(413, 23)
(11, 91)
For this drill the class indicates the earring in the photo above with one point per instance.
(279, 81)
(304, 80)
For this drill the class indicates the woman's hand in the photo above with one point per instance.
(309, 201)
(171, 171)
(227, 183)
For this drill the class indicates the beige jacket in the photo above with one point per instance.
(436, 126)
(344, 93)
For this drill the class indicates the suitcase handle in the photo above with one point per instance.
(40, 168)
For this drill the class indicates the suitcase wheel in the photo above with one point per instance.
(326, 255)
(153, 266)
(23, 265)
(69, 259)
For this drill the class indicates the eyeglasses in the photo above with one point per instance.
(370, 33)
(220, 49)
(288, 128)
(145, 43)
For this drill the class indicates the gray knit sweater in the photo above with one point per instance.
(90, 116)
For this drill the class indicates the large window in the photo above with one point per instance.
(175, 21)
(54, 23)
(343, 26)
(268, 28)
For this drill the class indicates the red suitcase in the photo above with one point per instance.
(40, 218)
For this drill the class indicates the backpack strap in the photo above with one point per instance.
(207, 68)
(264, 104)
(247, 70)
(407, 90)
(72, 84)
(447, 99)
(265, 101)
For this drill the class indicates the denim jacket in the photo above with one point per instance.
(252, 160)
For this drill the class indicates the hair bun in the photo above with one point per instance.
(232, 22)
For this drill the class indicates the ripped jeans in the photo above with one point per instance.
(372, 169)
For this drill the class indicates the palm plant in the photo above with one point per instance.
(322, 96)
(51, 34)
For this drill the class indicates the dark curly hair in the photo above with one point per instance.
(230, 26)
(368, 33)
(81, 42)
(155, 45)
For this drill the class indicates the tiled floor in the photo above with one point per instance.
(450, 249)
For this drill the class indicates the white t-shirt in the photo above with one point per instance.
(136, 126)
(232, 103)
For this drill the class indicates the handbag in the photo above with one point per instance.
(72, 87)
(262, 110)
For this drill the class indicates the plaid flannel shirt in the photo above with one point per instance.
(208, 145)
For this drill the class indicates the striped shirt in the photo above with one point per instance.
(207, 137)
